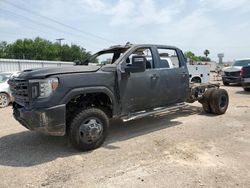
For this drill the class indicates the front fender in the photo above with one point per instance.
(78, 91)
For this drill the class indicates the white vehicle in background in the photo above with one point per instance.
(212, 66)
(5, 94)
(199, 73)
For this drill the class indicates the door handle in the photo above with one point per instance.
(154, 76)
(184, 74)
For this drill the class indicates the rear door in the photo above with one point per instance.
(174, 76)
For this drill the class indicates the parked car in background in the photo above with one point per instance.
(233, 74)
(245, 74)
(5, 94)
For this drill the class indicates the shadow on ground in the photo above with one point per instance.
(234, 85)
(242, 92)
(29, 148)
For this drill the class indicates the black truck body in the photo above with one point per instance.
(245, 74)
(79, 100)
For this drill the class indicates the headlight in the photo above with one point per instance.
(43, 88)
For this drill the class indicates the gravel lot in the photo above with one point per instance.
(183, 149)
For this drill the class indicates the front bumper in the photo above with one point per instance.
(51, 121)
(231, 79)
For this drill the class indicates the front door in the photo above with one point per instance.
(140, 91)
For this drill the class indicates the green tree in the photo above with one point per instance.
(191, 56)
(41, 49)
(206, 52)
(3, 48)
(202, 58)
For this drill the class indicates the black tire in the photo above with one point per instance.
(205, 100)
(225, 83)
(82, 126)
(196, 80)
(219, 101)
(4, 100)
(246, 89)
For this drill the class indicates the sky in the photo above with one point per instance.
(221, 26)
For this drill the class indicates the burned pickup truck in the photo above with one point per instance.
(129, 82)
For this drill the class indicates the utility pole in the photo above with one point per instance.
(59, 40)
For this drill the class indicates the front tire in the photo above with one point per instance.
(225, 83)
(4, 100)
(88, 129)
(246, 89)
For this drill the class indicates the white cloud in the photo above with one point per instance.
(226, 5)
(122, 12)
(219, 25)
(144, 12)
(93, 5)
(8, 24)
(134, 13)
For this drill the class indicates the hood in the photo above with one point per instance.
(4, 86)
(45, 72)
(232, 69)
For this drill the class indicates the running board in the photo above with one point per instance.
(142, 114)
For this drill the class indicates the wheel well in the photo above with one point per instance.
(196, 79)
(5, 93)
(99, 100)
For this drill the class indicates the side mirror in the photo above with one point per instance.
(138, 64)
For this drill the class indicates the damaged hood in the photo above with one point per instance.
(45, 72)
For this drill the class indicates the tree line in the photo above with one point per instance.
(193, 58)
(42, 49)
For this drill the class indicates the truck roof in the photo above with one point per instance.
(129, 45)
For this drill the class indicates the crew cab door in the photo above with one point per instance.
(139, 91)
(174, 76)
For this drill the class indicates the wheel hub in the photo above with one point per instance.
(223, 101)
(90, 130)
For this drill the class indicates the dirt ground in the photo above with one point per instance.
(183, 149)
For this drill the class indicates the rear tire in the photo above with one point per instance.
(205, 100)
(196, 80)
(246, 89)
(225, 83)
(88, 129)
(219, 101)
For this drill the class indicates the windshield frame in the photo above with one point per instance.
(119, 50)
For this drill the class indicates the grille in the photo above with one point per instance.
(19, 90)
(236, 74)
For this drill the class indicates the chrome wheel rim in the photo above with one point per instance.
(90, 130)
(3, 100)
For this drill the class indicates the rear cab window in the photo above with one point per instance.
(168, 58)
